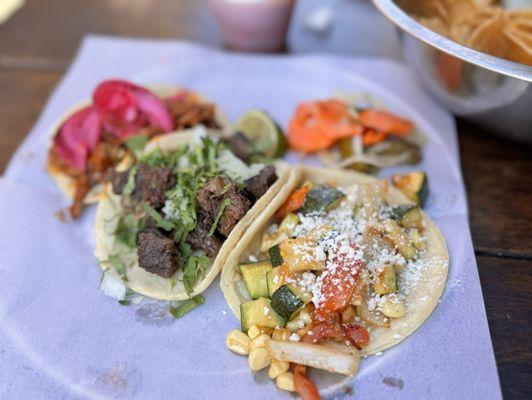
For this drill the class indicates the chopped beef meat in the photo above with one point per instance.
(240, 145)
(209, 198)
(118, 180)
(235, 211)
(187, 113)
(260, 183)
(151, 184)
(157, 254)
(199, 238)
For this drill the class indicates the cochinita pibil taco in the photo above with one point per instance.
(167, 222)
(93, 137)
(338, 265)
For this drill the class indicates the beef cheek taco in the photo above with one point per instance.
(338, 265)
(167, 222)
(93, 137)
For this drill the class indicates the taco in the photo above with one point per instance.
(338, 265)
(167, 222)
(93, 137)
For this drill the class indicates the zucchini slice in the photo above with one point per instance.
(286, 302)
(414, 185)
(275, 281)
(321, 199)
(386, 281)
(398, 237)
(288, 223)
(275, 256)
(259, 312)
(408, 215)
(254, 276)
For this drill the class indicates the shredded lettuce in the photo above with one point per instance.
(162, 223)
(235, 168)
(129, 188)
(136, 144)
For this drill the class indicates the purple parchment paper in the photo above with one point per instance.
(60, 337)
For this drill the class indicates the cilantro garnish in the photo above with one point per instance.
(114, 262)
(193, 271)
(223, 205)
(187, 306)
(127, 228)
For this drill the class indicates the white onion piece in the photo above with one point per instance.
(316, 356)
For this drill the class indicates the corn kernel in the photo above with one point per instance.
(238, 342)
(277, 368)
(259, 359)
(285, 381)
(253, 331)
(393, 308)
(259, 341)
(256, 330)
(281, 334)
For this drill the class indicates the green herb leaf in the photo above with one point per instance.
(127, 228)
(187, 306)
(136, 144)
(193, 271)
(172, 282)
(130, 184)
(159, 220)
(124, 302)
(223, 205)
(115, 262)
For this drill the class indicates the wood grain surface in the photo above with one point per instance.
(38, 42)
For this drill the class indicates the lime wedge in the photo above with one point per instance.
(265, 135)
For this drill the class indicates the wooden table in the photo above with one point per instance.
(37, 44)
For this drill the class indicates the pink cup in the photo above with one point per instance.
(253, 25)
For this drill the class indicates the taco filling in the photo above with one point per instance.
(166, 220)
(333, 275)
(120, 120)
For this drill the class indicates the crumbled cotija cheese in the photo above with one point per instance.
(294, 337)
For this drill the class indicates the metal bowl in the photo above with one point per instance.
(493, 92)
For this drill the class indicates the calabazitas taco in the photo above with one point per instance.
(338, 265)
(94, 136)
(167, 223)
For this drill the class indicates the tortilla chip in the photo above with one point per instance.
(435, 24)
(518, 50)
(497, 38)
(479, 24)
(423, 8)
(524, 35)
